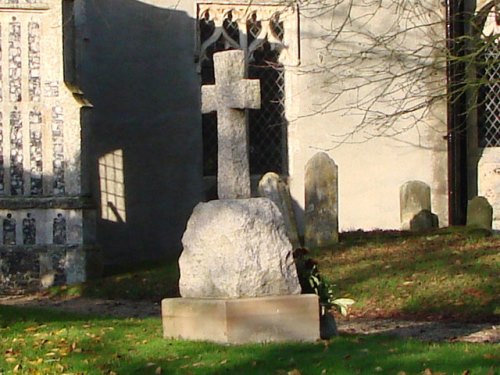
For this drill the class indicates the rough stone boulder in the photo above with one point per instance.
(237, 248)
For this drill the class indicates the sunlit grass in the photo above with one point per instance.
(446, 274)
(451, 273)
(35, 341)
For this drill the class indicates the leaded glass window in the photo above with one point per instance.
(260, 32)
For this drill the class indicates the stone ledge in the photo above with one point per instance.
(240, 321)
(66, 203)
(24, 6)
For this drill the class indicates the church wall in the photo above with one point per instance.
(373, 163)
(47, 230)
(135, 65)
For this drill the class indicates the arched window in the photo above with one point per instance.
(260, 32)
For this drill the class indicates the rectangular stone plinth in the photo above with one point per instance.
(245, 320)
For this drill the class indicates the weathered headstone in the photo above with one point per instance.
(479, 213)
(230, 95)
(273, 187)
(237, 248)
(423, 221)
(321, 202)
(415, 206)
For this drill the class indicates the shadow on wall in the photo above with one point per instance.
(135, 64)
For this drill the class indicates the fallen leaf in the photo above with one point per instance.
(294, 372)
(17, 367)
(223, 362)
(427, 371)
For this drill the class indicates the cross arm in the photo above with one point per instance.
(208, 99)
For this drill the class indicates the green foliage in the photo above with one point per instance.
(312, 282)
(326, 294)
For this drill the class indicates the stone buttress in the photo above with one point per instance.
(46, 223)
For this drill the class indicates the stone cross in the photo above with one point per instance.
(230, 95)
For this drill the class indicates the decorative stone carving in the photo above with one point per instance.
(9, 230)
(273, 187)
(40, 150)
(237, 248)
(257, 23)
(229, 96)
(321, 202)
(29, 230)
(59, 230)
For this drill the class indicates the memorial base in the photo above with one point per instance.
(244, 320)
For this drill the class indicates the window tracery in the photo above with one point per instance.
(267, 33)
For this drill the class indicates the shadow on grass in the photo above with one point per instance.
(146, 281)
(38, 315)
(132, 346)
(444, 274)
(378, 354)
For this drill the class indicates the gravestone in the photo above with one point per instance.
(424, 220)
(230, 95)
(321, 202)
(479, 213)
(238, 278)
(415, 207)
(40, 147)
(273, 187)
(237, 248)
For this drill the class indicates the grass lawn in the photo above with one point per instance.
(447, 274)
(42, 342)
